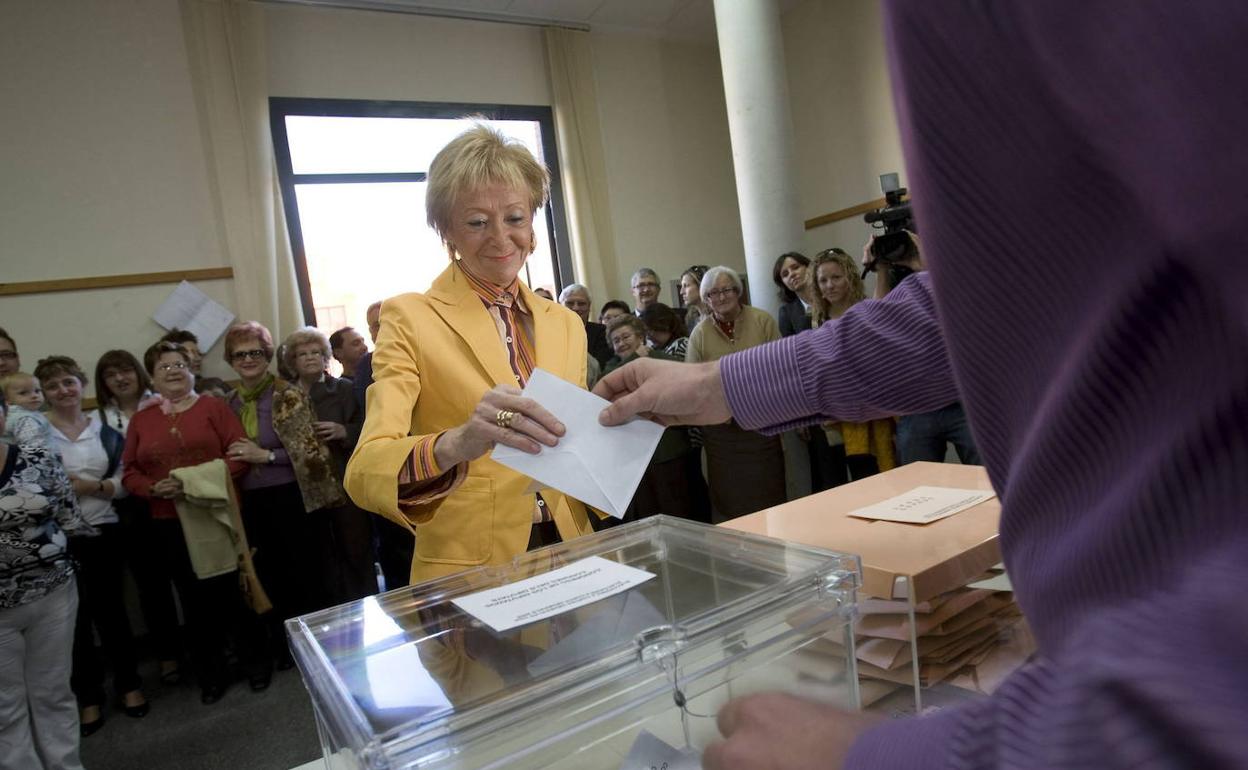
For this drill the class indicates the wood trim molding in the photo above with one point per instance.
(114, 281)
(849, 213)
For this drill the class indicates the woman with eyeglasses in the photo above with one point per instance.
(121, 386)
(673, 482)
(343, 533)
(290, 475)
(181, 429)
(745, 470)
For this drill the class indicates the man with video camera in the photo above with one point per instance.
(892, 257)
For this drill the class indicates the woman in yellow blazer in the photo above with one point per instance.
(448, 369)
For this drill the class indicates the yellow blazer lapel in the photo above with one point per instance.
(550, 334)
(462, 310)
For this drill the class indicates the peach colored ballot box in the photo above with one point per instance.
(937, 619)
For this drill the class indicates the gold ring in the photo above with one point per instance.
(504, 418)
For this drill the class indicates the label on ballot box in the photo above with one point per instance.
(551, 593)
(923, 505)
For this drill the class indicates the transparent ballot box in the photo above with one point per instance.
(626, 678)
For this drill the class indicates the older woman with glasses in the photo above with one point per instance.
(745, 469)
(673, 482)
(290, 474)
(121, 386)
(343, 533)
(183, 429)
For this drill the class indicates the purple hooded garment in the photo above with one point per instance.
(1078, 171)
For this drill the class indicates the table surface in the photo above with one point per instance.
(935, 557)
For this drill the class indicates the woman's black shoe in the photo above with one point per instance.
(259, 682)
(90, 728)
(212, 694)
(137, 712)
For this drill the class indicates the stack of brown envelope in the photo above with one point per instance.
(954, 631)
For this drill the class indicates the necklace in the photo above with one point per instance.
(175, 414)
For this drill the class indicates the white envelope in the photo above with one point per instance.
(598, 466)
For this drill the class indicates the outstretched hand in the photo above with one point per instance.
(668, 392)
(772, 731)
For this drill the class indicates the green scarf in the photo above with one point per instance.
(251, 397)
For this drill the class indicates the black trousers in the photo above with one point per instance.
(281, 535)
(395, 551)
(214, 609)
(343, 539)
(140, 545)
(827, 461)
(674, 487)
(101, 609)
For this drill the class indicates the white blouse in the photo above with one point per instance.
(85, 458)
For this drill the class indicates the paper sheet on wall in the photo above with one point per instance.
(191, 310)
(923, 505)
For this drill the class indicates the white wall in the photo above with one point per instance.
(669, 163)
(103, 171)
(668, 155)
(328, 53)
(845, 131)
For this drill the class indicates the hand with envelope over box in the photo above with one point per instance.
(448, 369)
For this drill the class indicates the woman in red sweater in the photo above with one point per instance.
(183, 429)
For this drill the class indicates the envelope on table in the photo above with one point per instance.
(599, 466)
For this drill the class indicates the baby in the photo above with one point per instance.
(25, 425)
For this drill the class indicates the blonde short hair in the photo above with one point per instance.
(308, 335)
(475, 159)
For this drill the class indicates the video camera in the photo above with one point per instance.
(893, 247)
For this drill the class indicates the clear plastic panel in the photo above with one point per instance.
(407, 679)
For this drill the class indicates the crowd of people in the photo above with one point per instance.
(118, 485)
(1101, 404)
(285, 430)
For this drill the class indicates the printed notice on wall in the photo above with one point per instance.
(554, 593)
(923, 505)
(189, 309)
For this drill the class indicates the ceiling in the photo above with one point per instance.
(677, 19)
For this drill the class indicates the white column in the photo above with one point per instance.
(751, 53)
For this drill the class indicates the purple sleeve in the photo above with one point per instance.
(882, 358)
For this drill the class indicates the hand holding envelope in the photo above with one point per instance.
(597, 465)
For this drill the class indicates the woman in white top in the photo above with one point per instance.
(91, 453)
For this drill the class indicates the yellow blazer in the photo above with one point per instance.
(437, 354)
